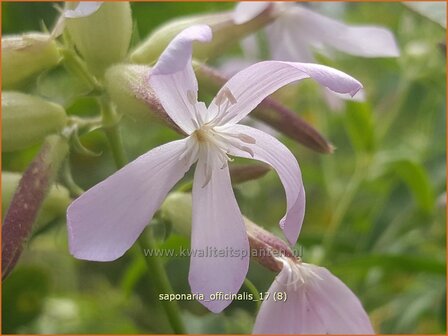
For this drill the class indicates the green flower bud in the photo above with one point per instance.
(27, 120)
(127, 86)
(225, 33)
(177, 210)
(103, 37)
(54, 206)
(24, 56)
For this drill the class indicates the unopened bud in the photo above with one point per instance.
(248, 172)
(225, 32)
(27, 120)
(28, 198)
(24, 56)
(102, 38)
(127, 86)
(177, 210)
(54, 206)
(266, 247)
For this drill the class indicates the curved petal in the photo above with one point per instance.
(83, 9)
(250, 86)
(173, 78)
(321, 305)
(293, 316)
(220, 247)
(338, 308)
(336, 100)
(286, 42)
(271, 151)
(106, 220)
(248, 10)
(367, 41)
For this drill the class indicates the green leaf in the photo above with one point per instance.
(412, 173)
(415, 177)
(359, 124)
(406, 263)
(23, 296)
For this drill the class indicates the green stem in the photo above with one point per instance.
(251, 287)
(158, 273)
(392, 112)
(111, 128)
(75, 65)
(69, 182)
(343, 205)
(154, 264)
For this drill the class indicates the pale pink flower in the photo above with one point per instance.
(308, 299)
(107, 219)
(299, 31)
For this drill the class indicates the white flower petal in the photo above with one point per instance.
(248, 10)
(293, 316)
(217, 226)
(271, 151)
(320, 305)
(338, 308)
(83, 9)
(251, 85)
(287, 41)
(366, 41)
(173, 78)
(106, 220)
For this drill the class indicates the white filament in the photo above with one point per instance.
(299, 273)
(212, 141)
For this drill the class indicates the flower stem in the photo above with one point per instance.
(68, 180)
(251, 287)
(343, 205)
(111, 128)
(155, 267)
(76, 66)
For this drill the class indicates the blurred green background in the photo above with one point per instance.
(375, 208)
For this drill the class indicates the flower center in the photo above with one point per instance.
(212, 141)
(300, 273)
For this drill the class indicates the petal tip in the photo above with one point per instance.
(248, 10)
(179, 51)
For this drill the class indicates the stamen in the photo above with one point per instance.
(299, 273)
(229, 95)
(195, 123)
(224, 94)
(247, 150)
(243, 137)
(190, 155)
